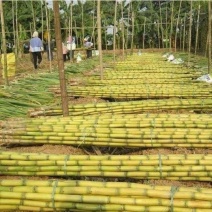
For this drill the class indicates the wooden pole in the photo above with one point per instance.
(166, 27)
(178, 17)
(48, 40)
(14, 36)
(42, 17)
(189, 38)
(83, 29)
(17, 29)
(209, 36)
(4, 44)
(133, 31)
(197, 29)
(122, 29)
(114, 35)
(184, 30)
(99, 37)
(33, 16)
(171, 27)
(144, 32)
(181, 29)
(161, 20)
(60, 61)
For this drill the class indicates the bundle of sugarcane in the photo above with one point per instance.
(139, 130)
(96, 81)
(196, 167)
(157, 67)
(148, 75)
(138, 91)
(29, 92)
(58, 195)
(127, 107)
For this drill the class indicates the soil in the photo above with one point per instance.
(25, 67)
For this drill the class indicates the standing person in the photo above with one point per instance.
(71, 46)
(88, 45)
(65, 51)
(36, 47)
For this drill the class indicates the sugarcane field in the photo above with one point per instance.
(106, 106)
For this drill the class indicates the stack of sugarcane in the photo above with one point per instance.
(58, 195)
(96, 81)
(129, 130)
(128, 107)
(130, 74)
(29, 92)
(196, 167)
(140, 91)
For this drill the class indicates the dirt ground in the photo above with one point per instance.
(25, 66)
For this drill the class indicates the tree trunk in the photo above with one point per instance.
(60, 61)
(4, 45)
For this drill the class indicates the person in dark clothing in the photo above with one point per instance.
(36, 47)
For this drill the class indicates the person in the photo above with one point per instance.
(36, 47)
(65, 51)
(88, 45)
(71, 46)
(49, 50)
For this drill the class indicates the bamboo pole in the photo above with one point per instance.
(184, 32)
(197, 29)
(82, 21)
(177, 25)
(209, 36)
(171, 27)
(60, 59)
(133, 28)
(48, 39)
(161, 21)
(14, 36)
(144, 33)
(190, 30)
(99, 38)
(4, 46)
(42, 2)
(167, 26)
(181, 34)
(122, 31)
(114, 35)
(158, 26)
